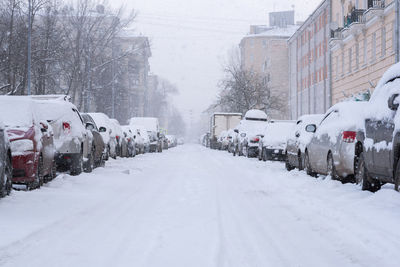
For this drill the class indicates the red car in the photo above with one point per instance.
(31, 142)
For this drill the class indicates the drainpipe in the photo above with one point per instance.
(397, 30)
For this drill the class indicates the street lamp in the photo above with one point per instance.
(29, 46)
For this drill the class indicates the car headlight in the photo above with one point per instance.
(19, 146)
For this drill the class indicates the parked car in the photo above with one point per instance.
(139, 139)
(153, 129)
(298, 138)
(249, 133)
(222, 141)
(379, 158)
(333, 149)
(98, 142)
(272, 144)
(106, 130)
(232, 135)
(129, 150)
(172, 141)
(73, 142)
(31, 141)
(121, 142)
(5, 163)
(164, 141)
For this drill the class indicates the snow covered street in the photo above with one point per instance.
(191, 206)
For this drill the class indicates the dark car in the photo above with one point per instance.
(379, 161)
(99, 149)
(5, 163)
(31, 141)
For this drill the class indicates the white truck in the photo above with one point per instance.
(220, 122)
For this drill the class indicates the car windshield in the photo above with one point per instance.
(8, 115)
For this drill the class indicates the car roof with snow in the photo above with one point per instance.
(17, 111)
(256, 114)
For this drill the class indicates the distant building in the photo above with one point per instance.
(134, 78)
(309, 64)
(281, 18)
(265, 51)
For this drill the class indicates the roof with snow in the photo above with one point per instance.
(287, 31)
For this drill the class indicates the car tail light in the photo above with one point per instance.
(349, 136)
(129, 139)
(117, 137)
(66, 127)
(256, 139)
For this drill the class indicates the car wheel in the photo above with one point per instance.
(364, 179)
(331, 169)
(288, 166)
(300, 162)
(307, 166)
(6, 186)
(89, 165)
(264, 154)
(77, 165)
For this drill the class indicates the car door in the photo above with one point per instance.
(380, 155)
(323, 142)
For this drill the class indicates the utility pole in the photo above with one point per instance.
(29, 45)
(89, 79)
(113, 80)
(397, 36)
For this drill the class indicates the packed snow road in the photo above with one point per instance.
(191, 206)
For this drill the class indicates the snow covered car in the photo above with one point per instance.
(380, 156)
(232, 135)
(31, 141)
(172, 140)
(139, 139)
(98, 142)
(152, 127)
(106, 130)
(73, 142)
(222, 140)
(250, 130)
(121, 142)
(272, 145)
(164, 141)
(333, 148)
(130, 149)
(5, 163)
(299, 138)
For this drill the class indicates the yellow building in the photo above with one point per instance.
(363, 45)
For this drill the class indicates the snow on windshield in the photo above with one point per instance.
(16, 111)
(277, 133)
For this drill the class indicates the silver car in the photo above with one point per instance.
(299, 138)
(333, 149)
(73, 142)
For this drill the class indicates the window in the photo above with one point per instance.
(383, 41)
(350, 59)
(373, 48)
(357, 55)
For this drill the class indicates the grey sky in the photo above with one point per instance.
(191, 38)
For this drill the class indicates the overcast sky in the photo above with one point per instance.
(191, 39)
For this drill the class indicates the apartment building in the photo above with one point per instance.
(266, 52)
(309, 64)
(363, 46)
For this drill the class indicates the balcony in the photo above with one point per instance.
(376, 4)
(356, 16)
(336, 34)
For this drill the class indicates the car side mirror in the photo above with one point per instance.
(236, 131)
(297, 134)
(102, 129)
(261, 135)
(311, 128)
(392, 102)
(89, 126)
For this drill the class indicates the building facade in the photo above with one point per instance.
(266, 53)
(363, 46)
(309, 64)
